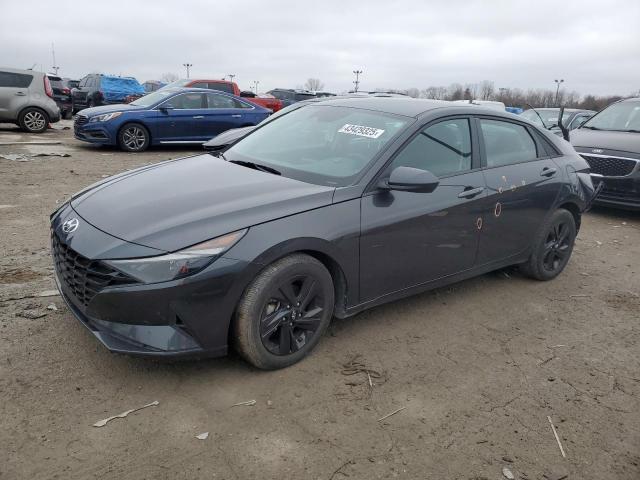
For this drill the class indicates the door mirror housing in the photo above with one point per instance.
(165, 109)
(247, 94)
(408, 179)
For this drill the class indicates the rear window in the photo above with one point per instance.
(15, 80)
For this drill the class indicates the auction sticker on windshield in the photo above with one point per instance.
(361, 131)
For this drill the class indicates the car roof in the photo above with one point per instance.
(406, 106)
(633, 99)
(20, 70)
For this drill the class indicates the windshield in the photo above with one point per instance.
(549, 117)
(318, 144)
(623, 116)
(152, 98)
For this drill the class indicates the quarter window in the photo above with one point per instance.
(506, 143)
(15, 80)
(443, 149)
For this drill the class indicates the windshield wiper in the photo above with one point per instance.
(631, 130)
(590, 127)
(255, 166)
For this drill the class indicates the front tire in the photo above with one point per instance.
(552, 246)
(284, 312)
(133, 137)
(33, 120)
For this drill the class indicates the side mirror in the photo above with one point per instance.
(247, 94)
(165, 109)
(409, 179)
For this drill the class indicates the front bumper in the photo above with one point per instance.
(621, 193)
(187, 317)
(94, 133)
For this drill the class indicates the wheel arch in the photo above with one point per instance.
(32, 107)
(137, 122)
(574, 209)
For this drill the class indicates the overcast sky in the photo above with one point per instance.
(593, 45)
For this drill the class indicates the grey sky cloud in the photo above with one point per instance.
(593, 45)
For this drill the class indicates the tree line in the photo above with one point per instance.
(515, 97)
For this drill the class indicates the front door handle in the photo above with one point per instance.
(199, 116)
(548, 172)
(20, 94)
(236, 116)
(470, 192)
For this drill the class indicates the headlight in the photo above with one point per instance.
(105, 117)
(179, 264)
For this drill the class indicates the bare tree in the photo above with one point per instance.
(169, 77)
(487, 89)
(314, 84)
(413, 92)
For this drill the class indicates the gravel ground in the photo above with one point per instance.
(476, 368)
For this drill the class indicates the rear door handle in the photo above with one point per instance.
(236, 116)
(199, 116)
(470, 192)
(20, 94)
(548, 172)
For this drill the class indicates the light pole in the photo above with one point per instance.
(187, 66)
(558, 82)
(356, 82)
(255, 84)
(231, 75)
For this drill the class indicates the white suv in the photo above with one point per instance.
(26, 99)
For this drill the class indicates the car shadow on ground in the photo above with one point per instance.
(617, 214)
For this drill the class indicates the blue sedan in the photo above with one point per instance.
(168, 116)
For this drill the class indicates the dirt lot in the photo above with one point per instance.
(477, 367)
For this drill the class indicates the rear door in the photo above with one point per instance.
(182, 119)
(522, 186)
(409, 238)
(14, 93)
(80, 93)
(223, 113)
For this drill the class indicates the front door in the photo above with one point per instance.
(181, 119)
(409, 238)
(522, 186)
(222, 113)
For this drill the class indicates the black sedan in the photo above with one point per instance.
(331, 208)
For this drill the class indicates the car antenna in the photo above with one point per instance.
(536, 112)
(563, 129)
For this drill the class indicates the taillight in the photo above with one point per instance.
(66, 91)
(47, 87)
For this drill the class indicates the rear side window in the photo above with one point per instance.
(506, 143)
(222, 101)
(221, 87)
(443, 149)
(15, 80)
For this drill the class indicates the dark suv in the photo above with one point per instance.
(61, 95)
(610, 143)
(97, 89)
(291, 96)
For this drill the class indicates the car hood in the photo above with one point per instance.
(180, 203)
(118, 107)
(621, 141)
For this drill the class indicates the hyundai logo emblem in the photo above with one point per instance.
(70, 225)
(597, 150)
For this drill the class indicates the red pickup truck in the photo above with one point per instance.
(229, 87)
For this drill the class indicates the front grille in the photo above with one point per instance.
(80, 120)
(610, 166)
(83, 277)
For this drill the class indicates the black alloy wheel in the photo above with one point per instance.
(552, 246)
(284, 312)
(291, 315)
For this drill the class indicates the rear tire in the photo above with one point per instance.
(284, 312)
(33, 120)
(133, 137)
(552, 247)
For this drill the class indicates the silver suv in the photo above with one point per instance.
(26, 99)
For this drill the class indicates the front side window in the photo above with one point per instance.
(15, 80)
(443, 149)
(185, 101)
(319, 144)
(506, 143)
